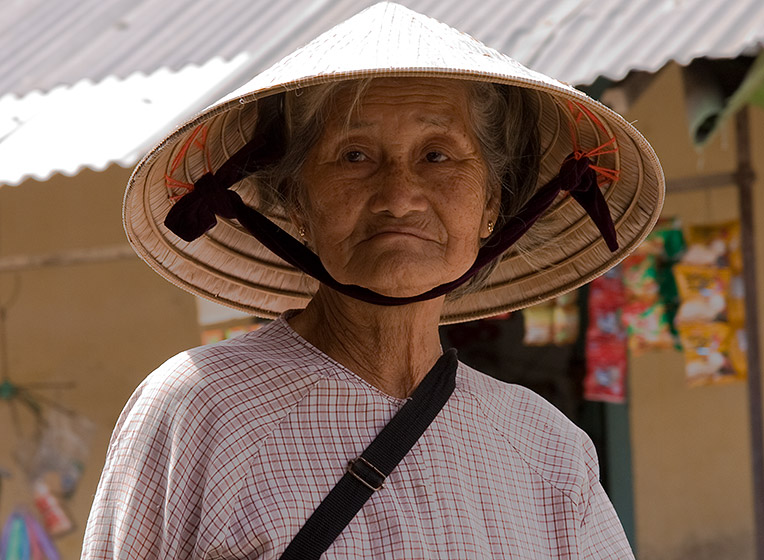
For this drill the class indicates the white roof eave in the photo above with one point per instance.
(93, 126)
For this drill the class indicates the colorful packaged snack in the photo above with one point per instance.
(606, 354)
(56, 521)
(644, 314)
(647, 327)
(606, 364)
(566, 323)
(703, 291)
(715, 245)
(707, 352)
(640, 278)
(553, 322)
(539, 320)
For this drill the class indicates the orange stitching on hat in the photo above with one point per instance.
(606, 175)
(195, 139)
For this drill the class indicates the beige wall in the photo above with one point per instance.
(101, 326)
(690, 446)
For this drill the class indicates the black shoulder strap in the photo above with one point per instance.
(366, 474)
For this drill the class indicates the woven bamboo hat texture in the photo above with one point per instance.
(227, 265)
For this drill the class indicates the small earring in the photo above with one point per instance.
(301, 231)
(490, 227)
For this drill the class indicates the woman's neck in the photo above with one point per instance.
(392, 348)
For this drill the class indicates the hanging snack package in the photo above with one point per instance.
(606, 361)
(606, 299)
(565, 319)
(711, 288)
(728, 234)
(647, 327)
(707, 353)
(644, 314)
(703, 292)
(56, 521)
(566, 322)
(539, 324)
(606, 364)
(640, 278)
(715, 245)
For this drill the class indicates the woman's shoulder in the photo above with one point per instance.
(539, 432)
(271, 352)
(510, 404)
(263, 372)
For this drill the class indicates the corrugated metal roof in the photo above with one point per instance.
(50, 42)
(161, 61)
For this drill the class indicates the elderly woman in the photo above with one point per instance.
(342, 428)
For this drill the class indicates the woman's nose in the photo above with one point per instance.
(397, 190)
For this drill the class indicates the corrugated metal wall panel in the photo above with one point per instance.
(50, 42)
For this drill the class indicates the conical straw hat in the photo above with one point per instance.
(228, 266)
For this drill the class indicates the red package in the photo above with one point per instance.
(606, 365)
(606, 357)
(56, 521)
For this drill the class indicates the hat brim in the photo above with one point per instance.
(229, 267)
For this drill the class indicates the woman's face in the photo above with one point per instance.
(396, 196)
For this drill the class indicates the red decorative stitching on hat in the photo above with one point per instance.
(198, 139)
(605, 175)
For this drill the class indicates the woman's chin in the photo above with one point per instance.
(401, 291)
(402, 282)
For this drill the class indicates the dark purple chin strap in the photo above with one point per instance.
(196, 213)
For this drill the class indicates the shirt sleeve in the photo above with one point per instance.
(145, 506)
(602, 535)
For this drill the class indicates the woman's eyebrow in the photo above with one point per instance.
(354, 125)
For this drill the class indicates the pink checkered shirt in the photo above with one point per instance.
(225, 451)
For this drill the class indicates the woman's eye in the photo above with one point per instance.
(436, 157)
(354, 156)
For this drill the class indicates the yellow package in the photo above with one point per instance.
(706, 350)
(702, 292)
(715, 245)
(539, 321)
(566, 322)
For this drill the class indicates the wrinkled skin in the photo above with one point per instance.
(396, 197)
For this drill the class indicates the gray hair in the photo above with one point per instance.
(504, 121)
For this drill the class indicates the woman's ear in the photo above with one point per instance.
(491, 212)
(297, 216)
(298, 221)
